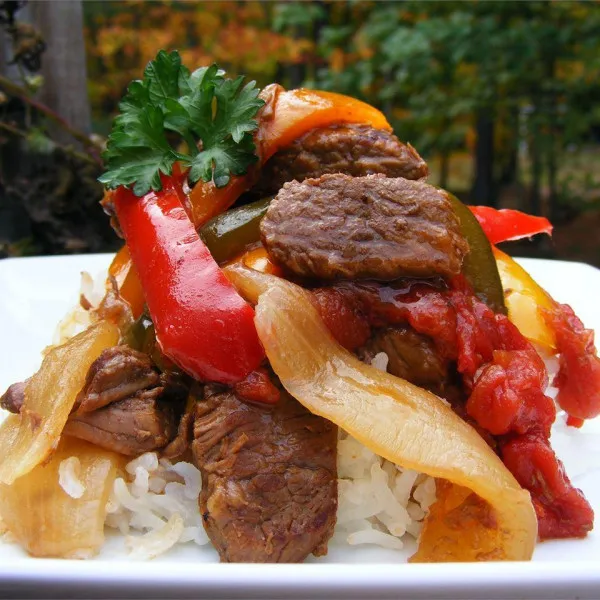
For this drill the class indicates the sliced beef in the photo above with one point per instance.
(351, 149)
(13, 398)
(269, 478)
(118, 373)
(126, 405)
(374, 227)
(132, 426)
(179, 446)
(413, 357)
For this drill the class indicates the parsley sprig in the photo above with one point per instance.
(213, 115)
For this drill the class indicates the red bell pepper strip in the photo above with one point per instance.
(506, 224)
(201, 322)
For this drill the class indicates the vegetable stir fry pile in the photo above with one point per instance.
(230, 314)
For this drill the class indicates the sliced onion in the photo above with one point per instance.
(28, 439)
(395, 419)
(45, 519)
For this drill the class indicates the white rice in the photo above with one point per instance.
(155, 505)
(379, 502)
(158, 499)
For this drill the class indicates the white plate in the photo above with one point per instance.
(36, 292)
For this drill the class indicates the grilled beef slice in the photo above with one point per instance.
(373, 227)
(118, 373)
(355, 150)
(269, 477)
(137, 424)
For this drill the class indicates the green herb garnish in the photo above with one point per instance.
(213, 115)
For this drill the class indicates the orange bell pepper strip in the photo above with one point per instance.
(286, 116)
(128, 282)
(259, 260)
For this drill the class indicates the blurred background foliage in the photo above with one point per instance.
(502, 98)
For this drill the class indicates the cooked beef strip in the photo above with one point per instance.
(125, 404)
(373, 227)
(131, 426)
(355, 150)
(13, 397)
(269, 477)
(118, 373)
(413, 357)
(180, 444)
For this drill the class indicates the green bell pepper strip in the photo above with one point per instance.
(230, 233)
(479, 265)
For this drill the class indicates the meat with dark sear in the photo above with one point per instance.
(373, 227)
(126, 405)
(269, 478)
(132, 426)
(118, 373)
(355, 150)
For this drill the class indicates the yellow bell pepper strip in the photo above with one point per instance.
(395, 419)
(557, 329)
(524, 298)
(29, 438)
(507, 225)
(201, 322)
(286, 116)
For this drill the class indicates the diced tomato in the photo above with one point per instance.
(578, 379)
(507, 380)
(562, 509)
(257, 387)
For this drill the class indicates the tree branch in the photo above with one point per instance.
(80, 155)
(15, 90)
